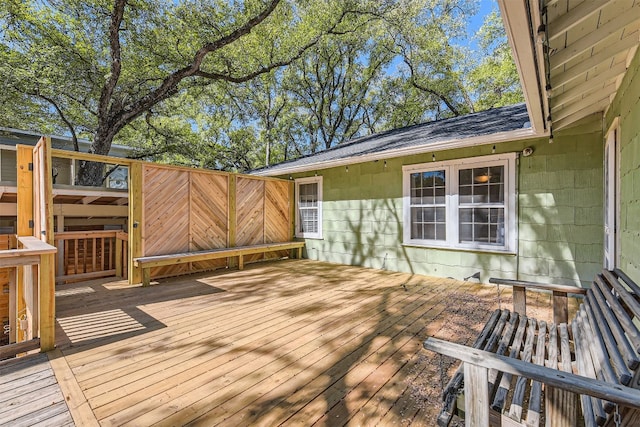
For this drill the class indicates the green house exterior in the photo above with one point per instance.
(626, 110)
(559, 215)
(577, 199)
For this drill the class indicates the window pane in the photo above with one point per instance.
(466, 194)
(428, 223)
(309, 220)
(496, 193)
(480, 193)
(465, 177)
(308, 195)
(481, 225)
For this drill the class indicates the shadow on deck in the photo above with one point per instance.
(294, 342)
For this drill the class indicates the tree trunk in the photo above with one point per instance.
(93, 173)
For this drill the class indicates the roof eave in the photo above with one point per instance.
(508, 136)
(527, 55)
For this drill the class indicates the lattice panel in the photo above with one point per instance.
(209, 216)
(277, 215)
(250, 214)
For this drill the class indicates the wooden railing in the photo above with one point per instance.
(84, 255)
(31, 296)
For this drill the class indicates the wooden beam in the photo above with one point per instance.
(588, 85)
(574, 17)
(89, 199)
(611, 28)
(90, 210)
(539, 286)
(74, 155)
(11, 350)
(601, 94)
(89, 192)
(590, 110)
(613, 48)
(122, 201)
(86, 276)
(136, 220)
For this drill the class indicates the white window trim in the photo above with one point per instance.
(452, 167)
(310, 180)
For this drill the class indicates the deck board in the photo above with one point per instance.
(30, 394)
(294, 342)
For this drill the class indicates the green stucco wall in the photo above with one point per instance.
(560, 215)
(626, 106)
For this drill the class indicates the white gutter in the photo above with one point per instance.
(509, 136)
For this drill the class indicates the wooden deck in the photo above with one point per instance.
(293, 342)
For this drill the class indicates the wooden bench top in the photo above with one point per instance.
(601, 343)
(161, 260)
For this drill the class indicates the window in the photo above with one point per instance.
(309, 207)
(466, 203)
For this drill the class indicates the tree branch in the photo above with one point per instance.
(74, 137)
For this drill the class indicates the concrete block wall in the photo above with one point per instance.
(560, 215)
(626, 107)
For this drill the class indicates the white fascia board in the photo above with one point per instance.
(516, 23)
(509, 136)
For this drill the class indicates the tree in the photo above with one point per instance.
(103, 65)
(494, 81)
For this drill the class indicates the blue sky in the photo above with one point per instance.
(484, 8)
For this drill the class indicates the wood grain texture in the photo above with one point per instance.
(188, 210)
(208, 211)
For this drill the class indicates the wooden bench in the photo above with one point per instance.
(518, 363)
(149, 262)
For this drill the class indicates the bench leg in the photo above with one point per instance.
(299, 253)
(476, 395)
(240, 262)
(146, 276)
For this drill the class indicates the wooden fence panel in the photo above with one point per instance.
(250, 214)
(189, 210)
(166, 215)
(276, 215)
(209, 209)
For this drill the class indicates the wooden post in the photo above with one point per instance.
(232, 217)
(520, 300)
(47, 302)
(60, 246)
(292, 211)
(476, 396)
(24, 157)
(560, 307)
(12, 305)
(136, 220)
(119, 244)
(146, 276)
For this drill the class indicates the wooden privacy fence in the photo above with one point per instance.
(91, 254)
(176, 210)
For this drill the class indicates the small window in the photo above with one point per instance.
(466, 203)
(309, 207)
